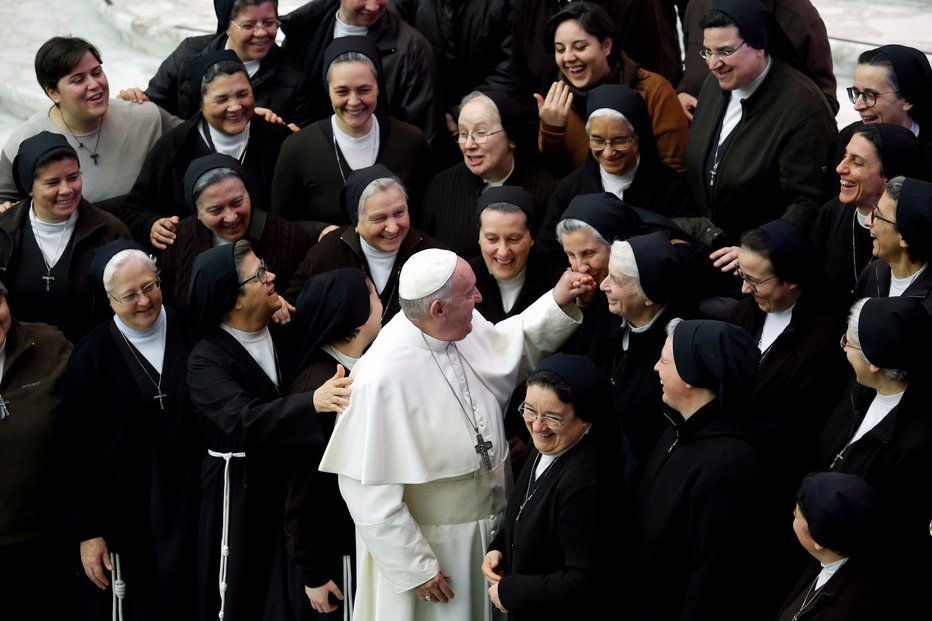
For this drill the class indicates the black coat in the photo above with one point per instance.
(561, 544)
(131, 467)
(241, 410)
(449, 209)
(895, 457)
(306, 190)
(159, 188)
(851, 594)
(658, 188)
(698, 496)
(843, 249)
(71, 305)
(874, 282)
(278, 85)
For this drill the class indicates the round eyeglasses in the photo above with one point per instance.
(549, 420)
(867, 96)
(845, 343)
(619, 143)
(267, 26)
(875, 215)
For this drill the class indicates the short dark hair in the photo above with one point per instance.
(241, 248)
(758, 242)
(239, 5)
(223, 67)
(58, 56)
(872, 135)
(876, 58)
(593, 19)
(717, 19)
(551, 381)
(504, 208)
(51, 156)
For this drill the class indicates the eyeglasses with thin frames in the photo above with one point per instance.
(619, 143)
(868, 97)
(875, 215)
(146, 290)
(845, 343)
(753, 284)
(479, 137)
(549, 420)
(255, 28)
(260, 274)
(708, 54)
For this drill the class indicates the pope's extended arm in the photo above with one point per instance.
(390, 533)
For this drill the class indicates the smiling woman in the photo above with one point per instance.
(46, 241)
(306, 190)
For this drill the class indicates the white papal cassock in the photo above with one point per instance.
(421, 496)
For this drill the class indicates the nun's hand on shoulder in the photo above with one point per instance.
(283, 314)
(334, 394)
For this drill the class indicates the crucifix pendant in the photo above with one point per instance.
(483, 447)
(161, 397)
(4, 412)
(48, 278)
(94, 157)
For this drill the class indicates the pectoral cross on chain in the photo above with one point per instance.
(4, 412)
(161, 397)
(483, 447)
(48, 278)
(94, 157)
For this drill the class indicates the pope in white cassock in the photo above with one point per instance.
(421, 451)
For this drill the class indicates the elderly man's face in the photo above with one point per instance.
(465, 297)
(361, 12)
(738, 69)
(384, 222)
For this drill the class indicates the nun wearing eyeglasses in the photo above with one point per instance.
(239, 386)
(699, 496)
(560, 546)
(881, 431)
(901, 228)
(131, 447)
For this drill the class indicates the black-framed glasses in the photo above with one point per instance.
(619, 143)
(869, 97)
(267, 26)
(875, 215)
(752, 283)
(549, 420)
(845, 343)
(133, 296)
(479, 137)
(707, 54)
(260, 275)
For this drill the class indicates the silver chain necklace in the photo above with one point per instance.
(158, 385)
(482, 445)
(33, 222)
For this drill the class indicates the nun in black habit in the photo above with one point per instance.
(840, 236)
(131, 447)
(237, 386)
(651, 184)
(699, 496)
(338, 316)
(881, 431)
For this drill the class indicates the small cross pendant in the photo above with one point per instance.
(48, 278)
(483, 447)
(94, 157)
(4, 411)
(161, 397)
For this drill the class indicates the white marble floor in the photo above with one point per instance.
(135, 35)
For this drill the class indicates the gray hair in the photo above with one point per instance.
(353, 57)
(571, 225)
(221, 68)
(416, 310)
(894, 187)
(209, 178)
(671, 325)
(379, 185)
(612, 114)
(485, 99)
(854, 317)
(120, 259)
(623, 261)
